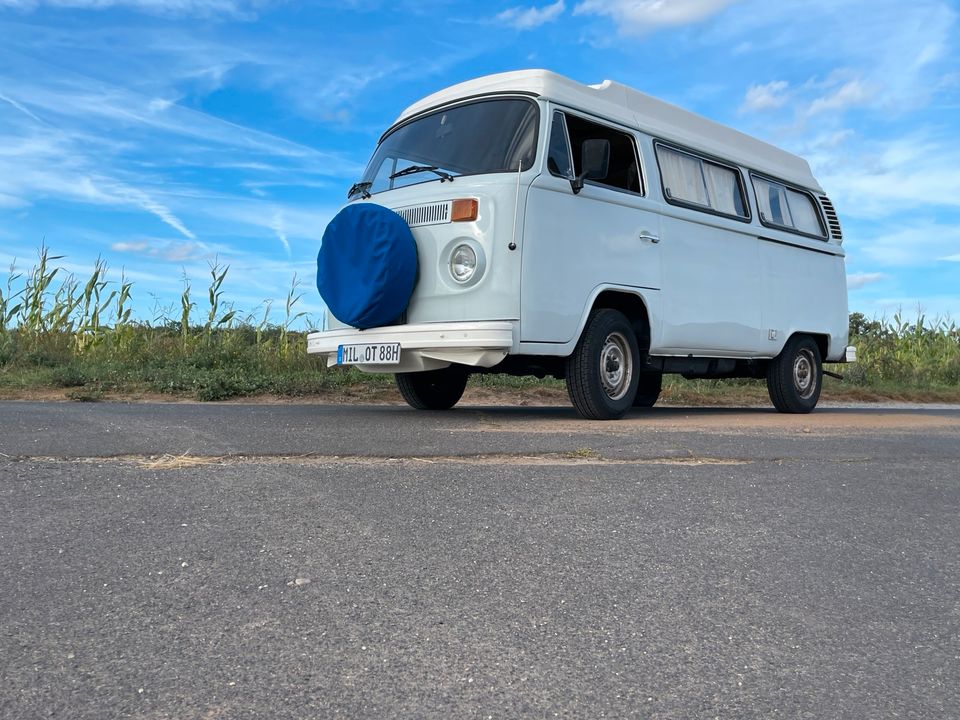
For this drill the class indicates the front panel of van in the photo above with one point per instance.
(426, 202)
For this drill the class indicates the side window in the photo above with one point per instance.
(692, 180)
(558, 155)
(786, 208)
(624, 169)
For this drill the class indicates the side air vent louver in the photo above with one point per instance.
(832, 219)
(432, 214)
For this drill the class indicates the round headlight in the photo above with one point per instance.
(463, 263)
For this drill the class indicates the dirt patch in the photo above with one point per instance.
(180, 462)
(744, 396)
(824, 421)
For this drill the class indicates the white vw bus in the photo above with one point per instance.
(596, 234)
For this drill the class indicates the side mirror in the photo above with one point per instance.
(594, 162)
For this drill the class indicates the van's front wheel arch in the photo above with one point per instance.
(795, 376)
(433, 389)
(602, 373)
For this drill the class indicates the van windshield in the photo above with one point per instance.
(489, 136)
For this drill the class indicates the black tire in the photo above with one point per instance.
(433, 389)
(795, 376)
(648, 389)
(602, 372)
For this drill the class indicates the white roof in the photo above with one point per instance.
(632, 108)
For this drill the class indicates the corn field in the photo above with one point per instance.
(921, 353)
(60, 331)
(63, 332)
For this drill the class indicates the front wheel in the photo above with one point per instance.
(795, 376)
(602, 373)
(432, 389)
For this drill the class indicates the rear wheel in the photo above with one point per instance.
(602, 373)
(795, 376)
(433, 389)
(648, 389)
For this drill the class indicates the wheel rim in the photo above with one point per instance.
(616, 366)
(805, 374)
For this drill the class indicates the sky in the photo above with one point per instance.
(163, 135)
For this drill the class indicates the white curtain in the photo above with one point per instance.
(682, 176)
(722, 187)
(805, 217)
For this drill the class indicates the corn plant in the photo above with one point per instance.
(33, 314)
(90, 330)
(217, 276)
(59, 317)
(263, 325)
(7, 299)
(122, 312)
(290, 317)
(186, 306)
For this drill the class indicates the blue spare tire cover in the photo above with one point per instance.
(367, 265)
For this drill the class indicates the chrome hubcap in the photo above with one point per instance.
(616, 366)
(805, 373)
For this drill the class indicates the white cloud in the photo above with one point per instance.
(858, 280)
(11, 201)
(277, 225)
(931, 308)
(848, 95)
(765, 97)
(887, 177)
(922, 244)
(159, 104)
(638, 17)
(155, 208)
(67, 137)
(140, 246)
(951, 258)
(531, 17)
(898, 52)
(18, 106)
(167, 250)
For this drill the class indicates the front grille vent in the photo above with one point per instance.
(832, 219)
(432, 214)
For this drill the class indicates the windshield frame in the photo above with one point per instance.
(463, 102)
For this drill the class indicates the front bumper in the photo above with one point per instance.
(425, 346)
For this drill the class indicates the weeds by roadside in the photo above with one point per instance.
(82, 339)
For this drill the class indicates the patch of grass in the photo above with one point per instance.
(583, 453)
(59, 333)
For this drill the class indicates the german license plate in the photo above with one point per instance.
(369, 354)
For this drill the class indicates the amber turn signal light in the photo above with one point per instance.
(464, 210)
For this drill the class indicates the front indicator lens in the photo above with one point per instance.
(463, 263)
(464, 210)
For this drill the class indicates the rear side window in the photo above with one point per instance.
(787, 209)
(623, 173)
(701, 183)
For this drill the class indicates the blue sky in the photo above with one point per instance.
(160, 134)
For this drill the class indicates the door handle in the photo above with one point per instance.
(647, 236)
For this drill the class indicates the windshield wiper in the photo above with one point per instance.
(423, 168)
(360, 187)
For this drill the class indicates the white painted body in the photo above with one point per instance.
(711, 286)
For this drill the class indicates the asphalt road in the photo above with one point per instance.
(305, 561)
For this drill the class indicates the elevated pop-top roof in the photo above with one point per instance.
(632, 108)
